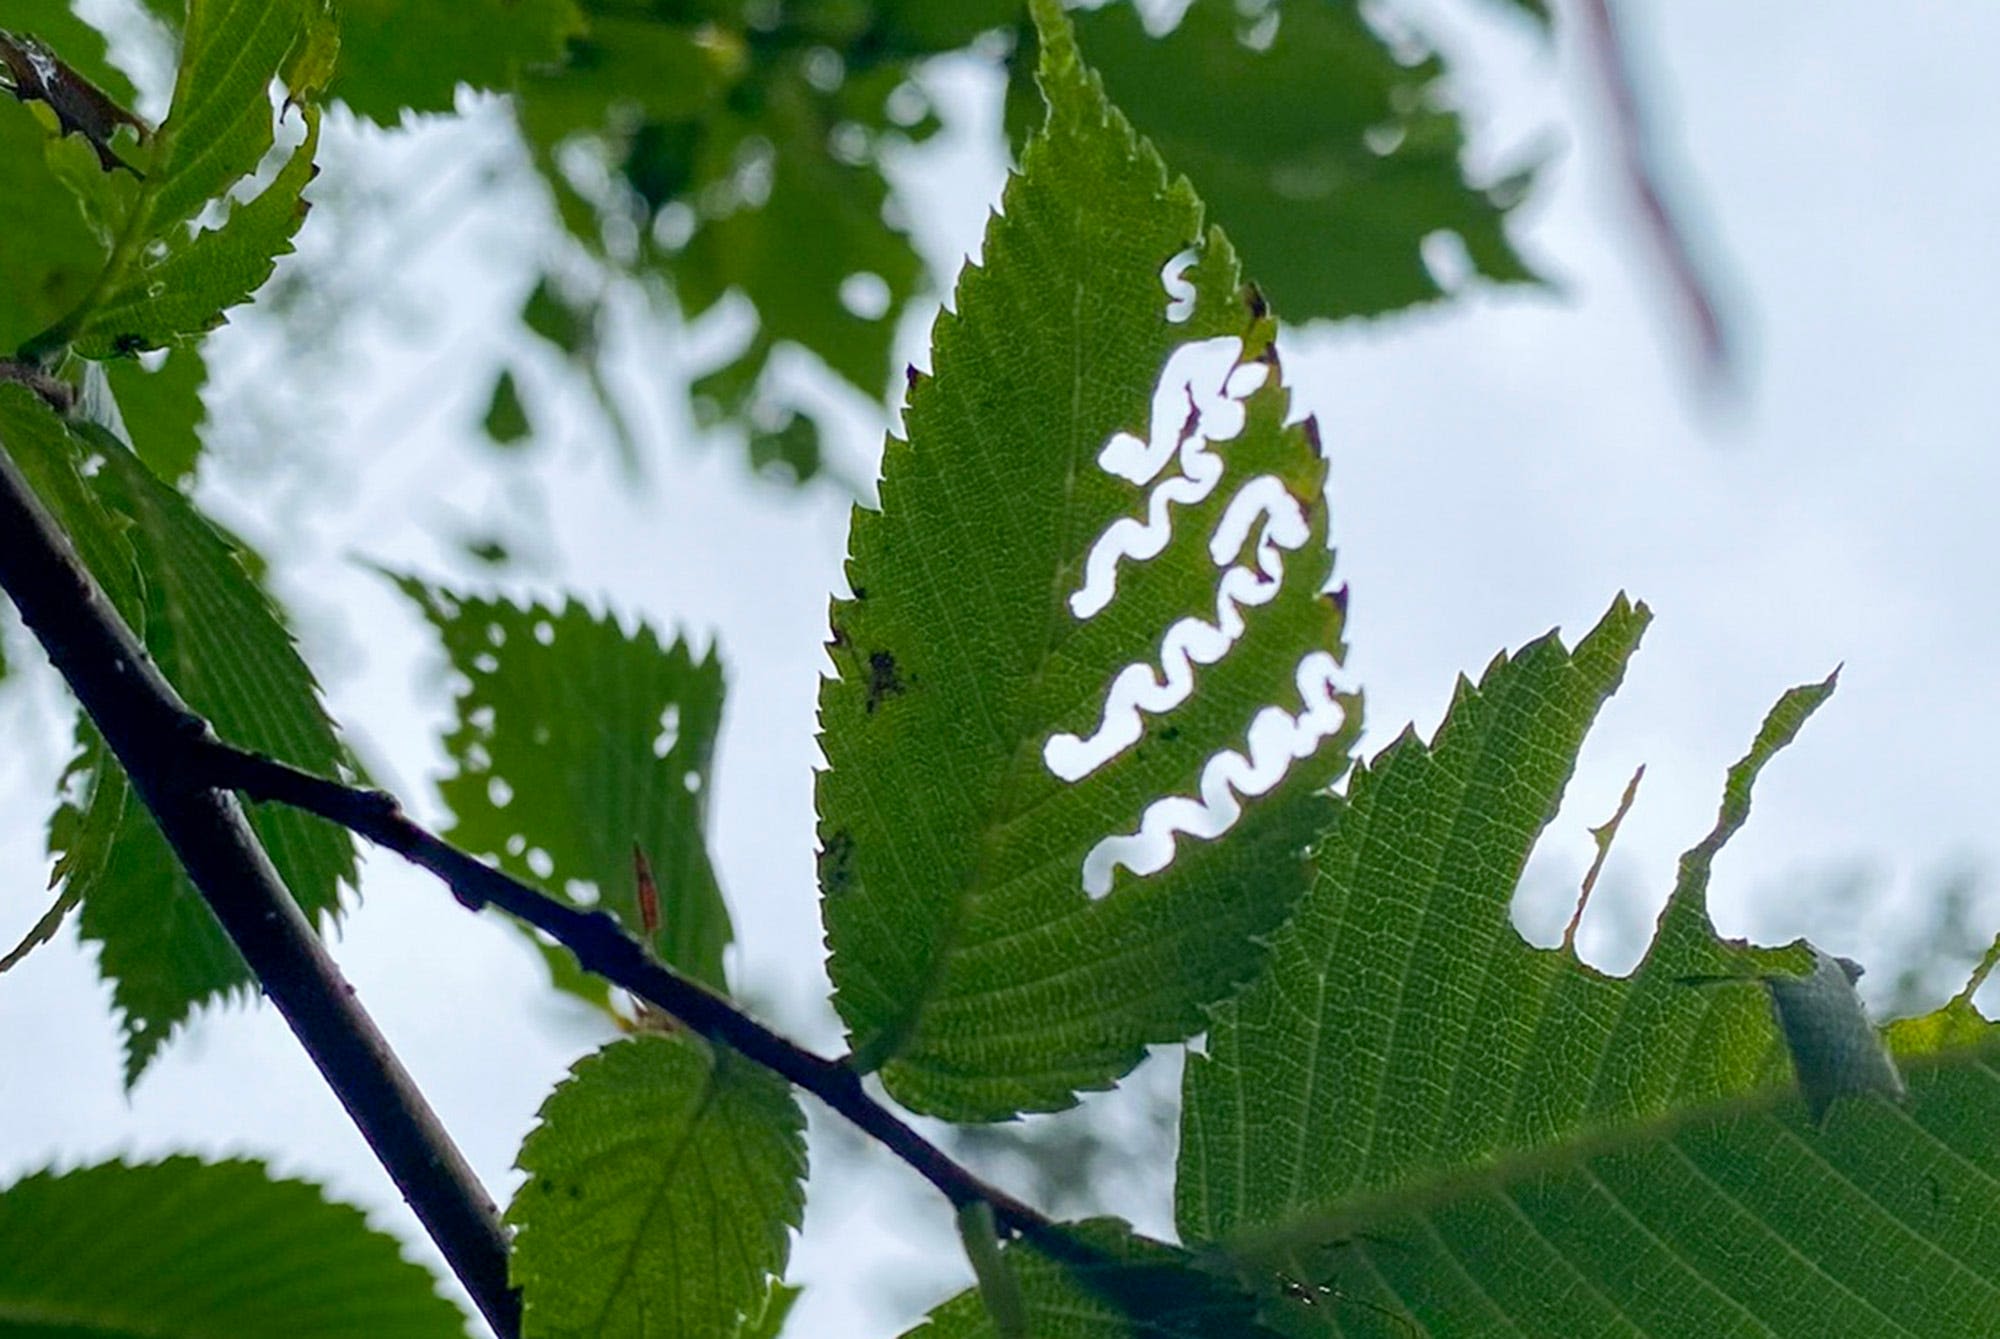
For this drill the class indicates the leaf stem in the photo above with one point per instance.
(603, 947)
(152, 732)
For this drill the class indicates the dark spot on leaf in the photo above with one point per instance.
(1170, 733)
(911, 375)
(883, 678)
(837, 636)
(1311, 425)
(861, 592)
(1253, 298)
(836, 863)
(128, 345)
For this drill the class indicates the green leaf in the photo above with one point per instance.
(41, 445)
(1326, 155)
(1141, 1288)
(412, 55)
(958, 867)
(220, 641)
(47, 253)
(163, 280)
(186, 1250)
(1398, 967)
(162, 410)
(741, 163)
(1450, 1131)
(187, 290)
(663, 1185)
(218, 127)
(577, 741)
(506, 420)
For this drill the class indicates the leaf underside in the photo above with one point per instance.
(968, 958)
(1430, 1126)
(664, 1182)
(221, 642)
(186, 1250)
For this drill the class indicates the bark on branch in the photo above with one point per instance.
(154, 735)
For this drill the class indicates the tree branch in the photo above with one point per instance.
(1639, 159)
(151, 731)
(602, 946)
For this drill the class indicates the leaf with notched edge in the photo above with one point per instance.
(575, 741)
(1002, 784)
(222, 643)
(664, 1181)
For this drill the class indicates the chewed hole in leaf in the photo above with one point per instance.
(1277, 739)
(866, 296)
(499, 792)
(541, 862)
(1180, 289)
(1449, 263)
(1199, 404)
(583, 892)
(670, 731)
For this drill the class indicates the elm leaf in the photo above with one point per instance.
(576, 742)
(183, 1249)
(664, 1182)
(1090, 628)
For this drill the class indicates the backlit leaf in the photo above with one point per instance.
(664, 1183)
(186, 290)
(162, 409)
(187, 1250)
(166, 279)
(1428, 1125)
(1002, 785)
(576, 742)
(1332, 159)
(220, 641)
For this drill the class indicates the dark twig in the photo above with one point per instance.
(151, 730)
(602, 946)
(1639, 159)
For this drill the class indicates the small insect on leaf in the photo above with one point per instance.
(33, 73)
(1836, 1050)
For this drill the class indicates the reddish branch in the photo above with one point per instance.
(152, 732)
(1638, 159)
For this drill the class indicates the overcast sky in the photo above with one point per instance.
(1499, 466)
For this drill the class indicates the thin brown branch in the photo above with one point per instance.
(151, 731)
(1639, 161)
(603, 947)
